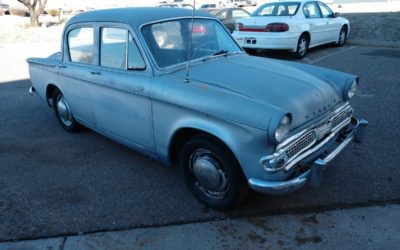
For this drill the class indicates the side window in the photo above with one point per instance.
(135, 59)
(116, 47)
(311, 10)
(223, 15)
(267, 11)
(325, 10)
(239, 13)
(80, 45)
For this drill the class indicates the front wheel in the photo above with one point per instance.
(211, 173)
(302, 47)
(63, 112)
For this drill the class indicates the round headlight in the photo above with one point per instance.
(282, 131)
(352, 89)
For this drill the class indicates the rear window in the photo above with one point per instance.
(80, 42)
(277, 9)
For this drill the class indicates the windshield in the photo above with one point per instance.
(277, 9)
(169, 41)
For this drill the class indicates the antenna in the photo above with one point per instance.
(190, 45)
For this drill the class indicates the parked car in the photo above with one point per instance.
(230, 121)
(5, 8)
(294, 25)
(176, 5)
(228, 16)
(208, 6)
(235, 3)
(251, 3)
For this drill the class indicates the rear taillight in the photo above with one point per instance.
(277, 27)
(238, 26)
(272, 27)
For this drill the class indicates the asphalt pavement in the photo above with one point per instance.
(53, 183)
(363, 228)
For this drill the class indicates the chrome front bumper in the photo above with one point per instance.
(312, 175)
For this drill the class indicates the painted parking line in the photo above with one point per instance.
(325, 54)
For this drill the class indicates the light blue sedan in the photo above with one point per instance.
(179, 89)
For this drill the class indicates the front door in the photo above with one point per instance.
(122, 104)
(332, 25)
(316, 23)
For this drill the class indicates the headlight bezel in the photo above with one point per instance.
(350, 89)
(281, 130)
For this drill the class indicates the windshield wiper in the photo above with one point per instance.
(221, 52)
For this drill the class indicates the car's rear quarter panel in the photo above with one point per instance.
(43, 71)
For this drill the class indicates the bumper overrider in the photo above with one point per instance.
(305, 156)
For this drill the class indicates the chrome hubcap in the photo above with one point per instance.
(64, 111)
(302, 46)
(208, 175)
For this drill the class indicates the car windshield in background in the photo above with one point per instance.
(277, 9)
(169, 41)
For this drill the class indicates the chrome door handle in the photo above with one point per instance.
(61, 66)
(95, 73)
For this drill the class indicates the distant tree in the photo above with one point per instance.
(35, 7)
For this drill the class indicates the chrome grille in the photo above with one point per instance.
(309, 138)
(339, 118)
(301, 144)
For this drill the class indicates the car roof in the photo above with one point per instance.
(134, 16)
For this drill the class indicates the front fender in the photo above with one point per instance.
(247, 143)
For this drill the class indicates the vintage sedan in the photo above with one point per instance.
(179, 89)
(293, 25)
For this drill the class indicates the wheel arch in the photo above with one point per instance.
(50, 88)
(308, 35)
(183, 134)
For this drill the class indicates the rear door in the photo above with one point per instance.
(76, 80)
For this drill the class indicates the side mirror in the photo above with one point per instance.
(337, 14)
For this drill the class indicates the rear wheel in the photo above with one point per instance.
(302, 47)
(211, 173)
(63, 112)
(342, 37)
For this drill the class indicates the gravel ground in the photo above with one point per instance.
(375, 26)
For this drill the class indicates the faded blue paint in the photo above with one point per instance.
(238, 98)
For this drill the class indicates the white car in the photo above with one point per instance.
(295, 25)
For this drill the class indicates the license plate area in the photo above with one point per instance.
(250, 40)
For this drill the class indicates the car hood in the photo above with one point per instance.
(275, 83)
